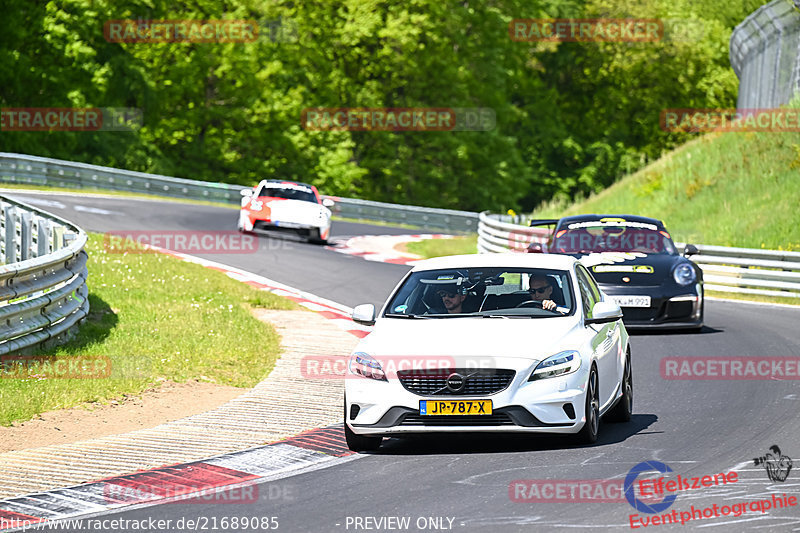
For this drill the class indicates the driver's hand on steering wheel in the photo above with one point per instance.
(550, 305)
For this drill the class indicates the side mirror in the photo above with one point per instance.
(246, 192)
(364, 314)
(327, 202)
(604, 312)
(690, 249)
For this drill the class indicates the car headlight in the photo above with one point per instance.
(560, 364)
(365, 365)
(684, 274)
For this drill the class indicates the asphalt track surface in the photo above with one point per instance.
(696, 427)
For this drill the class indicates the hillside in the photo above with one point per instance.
(729, 189)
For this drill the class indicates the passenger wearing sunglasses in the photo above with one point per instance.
(541, 290)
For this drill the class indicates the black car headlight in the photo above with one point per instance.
(560, 364)
(684, 274)
(365, 365)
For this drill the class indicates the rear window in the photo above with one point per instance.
(288, 191)
(622, 236)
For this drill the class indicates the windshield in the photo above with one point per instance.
(488, 292)
(288, 191)
(598, 236)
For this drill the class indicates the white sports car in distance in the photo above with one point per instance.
(489, 343)
(287, 206)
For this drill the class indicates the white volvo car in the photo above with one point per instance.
(489, 343)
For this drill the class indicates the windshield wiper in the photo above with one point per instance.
(399, 315)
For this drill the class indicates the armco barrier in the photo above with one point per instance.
(43, 294)
(31, 170)
(725, 269)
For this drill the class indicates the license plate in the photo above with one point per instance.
(632, 301)
(455, 407)
(287, 224)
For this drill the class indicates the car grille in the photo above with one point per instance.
(640, 314)
(680, 309)
(497, 419)
(434, 382)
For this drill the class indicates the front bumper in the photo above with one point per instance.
(554, 405)
(302, 228)
(671, 307)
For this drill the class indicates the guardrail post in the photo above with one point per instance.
(58, 237)
(42, 237)
(10, 237)
(26, 221)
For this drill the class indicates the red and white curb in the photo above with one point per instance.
(381, 248)
(233, 478)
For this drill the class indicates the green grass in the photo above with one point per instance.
(157, 318)
(729, 189)
(753, 297)
(440, 247)
(374, 222)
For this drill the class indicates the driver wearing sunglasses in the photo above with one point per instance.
(541, 290)
(452, 298)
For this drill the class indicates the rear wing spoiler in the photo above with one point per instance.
(544, 222)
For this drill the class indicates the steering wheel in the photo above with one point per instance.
(526, 303)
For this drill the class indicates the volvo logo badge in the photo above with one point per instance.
(456, 382)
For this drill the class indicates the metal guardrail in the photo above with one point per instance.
(725, 269)
(32, 170)
(43, 293)
(765, 54)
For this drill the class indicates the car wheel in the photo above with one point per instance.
(314, 238)
(588, 435)
(359, 443)
(624, 409)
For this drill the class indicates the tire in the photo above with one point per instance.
(314, 238)
(624, 409)
(359, 443)
(590, 430)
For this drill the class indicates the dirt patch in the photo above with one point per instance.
(170, 401)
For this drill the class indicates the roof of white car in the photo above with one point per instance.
(508, 260)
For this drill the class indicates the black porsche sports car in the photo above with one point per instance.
(636, 263)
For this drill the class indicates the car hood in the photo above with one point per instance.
(642, 269)
(280, 205)
(529, 338)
